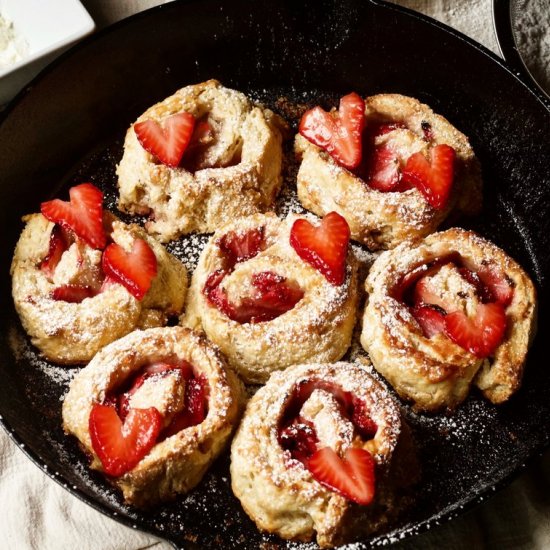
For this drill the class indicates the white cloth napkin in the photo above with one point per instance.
(38, 514)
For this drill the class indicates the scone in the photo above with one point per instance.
(273, 293)
(321, 453)
(153, 410)
(81, 278)
(447, 312)
(202, 156)
(391, 166)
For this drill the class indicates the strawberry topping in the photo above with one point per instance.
(120, 446)
(271, 297)
(324, 246)
(430, 318)
(481, 334)
(167, 144)
(83, 214)
(72, 293)
(299, 438)
(59, 242)
(239, 247)
(353, 476)
(337, 133)
(362, 420)
(134, 270)
(433, 179)
(499, 286)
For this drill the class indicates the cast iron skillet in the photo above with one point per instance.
(67, 127)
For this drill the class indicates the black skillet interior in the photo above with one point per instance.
(68, 125)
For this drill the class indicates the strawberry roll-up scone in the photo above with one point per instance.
(389, 165)
(81, 278)
(319, 454)
(202, 156)
(273, 293)
(153, 410)
(445, 313)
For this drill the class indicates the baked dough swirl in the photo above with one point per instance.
(317, 327)
(237, 173)
(67, 332)
(453, 268)
(382, 220)
(278, 491)
(177, 461)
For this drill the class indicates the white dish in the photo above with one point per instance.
(47, 28)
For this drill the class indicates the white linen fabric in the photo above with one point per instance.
(38, 514)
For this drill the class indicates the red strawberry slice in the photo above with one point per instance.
(73, 294)
(425, 294)
(499, 286)
(353, 476)
(195, 408)
(273, 298)
(325, 246)
(239, 247)
(361, 419)
(120, 446)
(338, 134)
(482, 291)
(202, 135)
(299, 438)
(162, 367)
(433, 179)
(169, 143)
(59, 242)
(480, 335)
(383, 170)
(134, 270)
(430, 318)
(83, 214)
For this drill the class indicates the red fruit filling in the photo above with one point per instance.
(480, 333)
(299, 438)
(59, 242)
(325, 246)
(122, 435)
(73, 294)
(272, 296)
(168, 143)
(338, 132)
(239, 247)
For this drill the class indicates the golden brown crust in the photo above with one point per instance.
(176, 464)
(383, 220)
(237, 175)
(72, 333)
(317, 328)
(279, 493)
(435, 372)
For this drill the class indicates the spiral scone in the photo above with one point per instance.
(317, 454)
(154, 410)
(410, 171)
(263, 305)
(447, 312)
(75, 295)
(231, 165)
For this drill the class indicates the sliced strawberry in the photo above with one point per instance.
(299, 438)
(73, 294)
(353, 476)
(383, 171)
(499, 286)
(161, 367)
(195, 408)
(433, 179)
(482, 291)
(480, 335)
(324, 246)
(167, 144)
(59, 242)
(134, 270)
(202, 135)
(120, 446)
(239, 247)
(362, 420)
(83, 214)
(430, 318)
(337, 133)
(273, 298)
